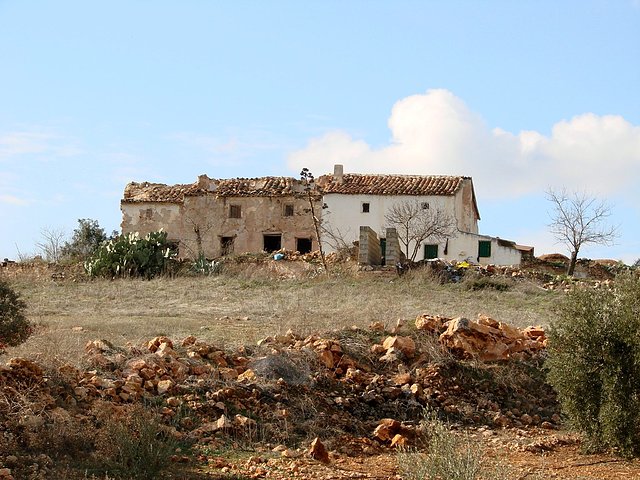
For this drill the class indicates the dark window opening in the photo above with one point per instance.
(365, 207)
(431, 251)
(288, 210)
(235, 211)
(484, 248)
(226, 245)
(303, 245)
(272, 242)
(425, 205)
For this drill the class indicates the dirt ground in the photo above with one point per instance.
(341, 400)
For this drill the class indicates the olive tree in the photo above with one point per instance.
(579, 219)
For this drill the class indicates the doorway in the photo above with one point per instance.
(303, 245)
(272, 242)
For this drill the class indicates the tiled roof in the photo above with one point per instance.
(353, 184)
(159, 192)
(258, 187)
(234, 187)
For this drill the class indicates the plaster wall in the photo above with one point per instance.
(206, 220)
(146, 217)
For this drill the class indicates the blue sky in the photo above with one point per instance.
(522, 96)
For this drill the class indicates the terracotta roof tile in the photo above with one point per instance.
(353, 184)
(159, 192)
(235, 187)
(258, 187)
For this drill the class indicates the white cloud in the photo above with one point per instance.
(13, 200)
(13, 144)
(436, 133)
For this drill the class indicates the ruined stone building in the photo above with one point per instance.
(220, 217)
(217, 217)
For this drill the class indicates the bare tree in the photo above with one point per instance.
(417, 221)
(307, 178)
(51, 244)
(578, 219)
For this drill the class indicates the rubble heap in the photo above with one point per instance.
(359, 391)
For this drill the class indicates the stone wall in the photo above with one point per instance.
(370, 253)
(393, 253)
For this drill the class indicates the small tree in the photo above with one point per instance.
(14, 326)
(51, 244)
(579, 219)
(85, 240)
(594, 364)
(307, 178)
(417, 221)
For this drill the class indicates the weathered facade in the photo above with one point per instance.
(219, 217)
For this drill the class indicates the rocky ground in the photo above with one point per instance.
(341, 404)
(320, 405)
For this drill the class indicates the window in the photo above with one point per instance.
(146, 214)
(431, 251)
(303, 245)
(365, 207)
(425, 205)
(484, 248)
(272, 242)
(226, 245)
(235, 211)
(288, 210)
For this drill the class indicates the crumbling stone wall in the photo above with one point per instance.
(393, 253)
(370, 253)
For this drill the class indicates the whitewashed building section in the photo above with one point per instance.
(354, 200)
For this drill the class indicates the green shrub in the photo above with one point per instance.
(14, 326)
(132, 256)
(85, 241)
(594, 364)
(202, 266)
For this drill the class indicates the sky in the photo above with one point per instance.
(521, 96)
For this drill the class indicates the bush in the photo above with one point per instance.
(85, 241)
(14, 326)
(136, 445)
(449, 456)
(131, 256)
(594, 364)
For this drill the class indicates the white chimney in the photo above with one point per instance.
(338, 172)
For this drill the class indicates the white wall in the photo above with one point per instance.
(343, 216)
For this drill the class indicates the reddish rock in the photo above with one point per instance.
(318, 451)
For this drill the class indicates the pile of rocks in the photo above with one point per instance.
(359, 390)
(485, 339)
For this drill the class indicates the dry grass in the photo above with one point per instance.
(242, 308)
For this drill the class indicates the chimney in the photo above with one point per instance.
(338, 172)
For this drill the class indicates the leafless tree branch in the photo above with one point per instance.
(415, 224)
(578, 219)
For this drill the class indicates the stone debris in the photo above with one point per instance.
(485, 339)
(363, 390)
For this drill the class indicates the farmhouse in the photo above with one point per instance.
(355, 200)
(219, 217)
(216, 217)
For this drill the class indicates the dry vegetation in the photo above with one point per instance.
(249, 304)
